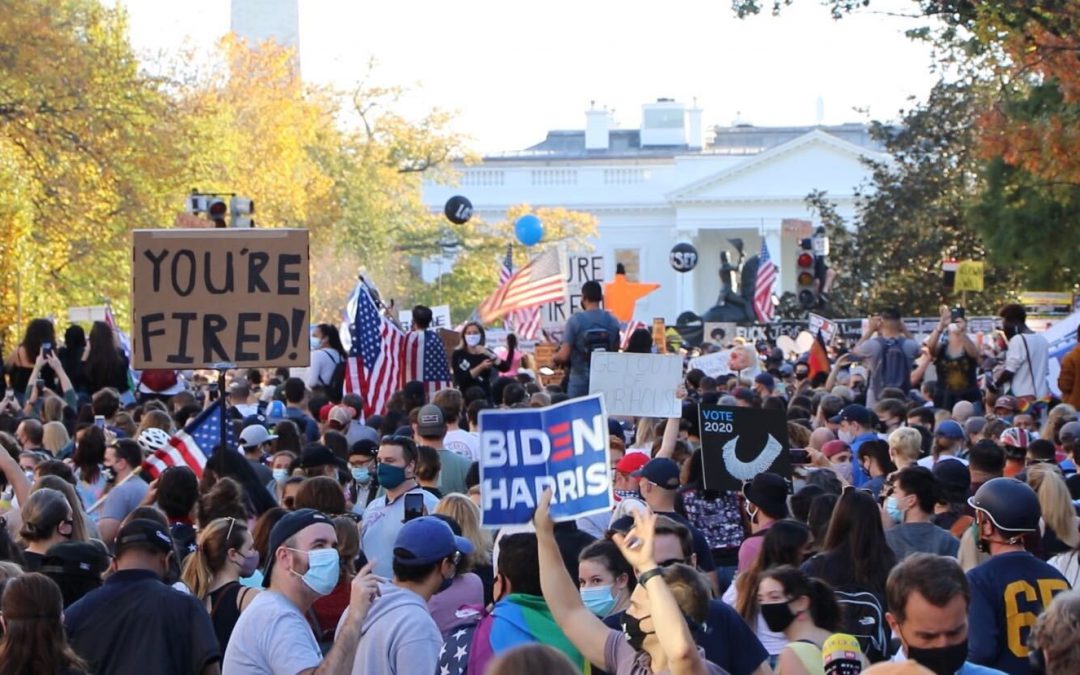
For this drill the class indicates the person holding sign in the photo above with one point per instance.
(655, 637)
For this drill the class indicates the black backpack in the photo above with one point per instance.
(336, 387)
(596, 340)
(894, 368)
(862, 617)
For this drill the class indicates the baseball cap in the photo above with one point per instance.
(426, 540)
(317, 454)
(257, 418)
(768, 491)
(275, 412)
(289, 525)
(324, 412)
(950, 429)
(80, 558)
(954, 478)
(364, 446)
(144, 531)
(853, 413)
(340, 416)
(615, 428)
(743, 394)
(833, 448)
(661, 471)
(430, 422)
(631, 462)
(254, 435)
(1006, 402)
(766, 380)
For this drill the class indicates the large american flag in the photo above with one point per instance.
(525, 323)
(540, 280)
(373, 369)
(763, 285)
(624, 334)
(425, 361)
(193, 445)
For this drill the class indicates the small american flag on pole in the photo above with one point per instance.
(523, 322)
(425, 361)
(373, 369)
(192, 446)
(541, 280)
(763, 285)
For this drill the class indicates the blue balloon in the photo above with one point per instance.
(529, 229)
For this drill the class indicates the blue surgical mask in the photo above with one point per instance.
(360, 474)
(892, 507)
(323, 569)
(598, 600)
(280, 475)
(315, 343)
(390, 476)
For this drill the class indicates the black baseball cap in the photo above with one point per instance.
(661, 471)
(853, 413)
(79, 558)
(143, 531)
(768, 491)
(289, 525)
(317, 454)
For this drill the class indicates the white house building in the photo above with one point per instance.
(666, 182)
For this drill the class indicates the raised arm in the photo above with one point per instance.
(587, 633)
(671, 428)
(671, 629)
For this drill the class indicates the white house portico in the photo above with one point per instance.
(652, 187)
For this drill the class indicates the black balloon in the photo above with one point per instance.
(458, 210)
(683, 257)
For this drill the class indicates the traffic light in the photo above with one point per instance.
(216, 208)
(241, 209)
(806, 286)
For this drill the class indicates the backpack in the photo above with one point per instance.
(596, 339)
(158, 380)
(334, 390)
(862, 616)
(894, 366)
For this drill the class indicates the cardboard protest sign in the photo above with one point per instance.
(721, 333)
(580, 267)
(202, 298)
(713, 365)
(525, 451)
(739, 443)
(825, 326)
(639, 385)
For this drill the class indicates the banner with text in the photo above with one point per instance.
(440, 318)
(713, 365)
(202, 298)
(638, 385)
(739, 443)
(580, 267)
(523, 452)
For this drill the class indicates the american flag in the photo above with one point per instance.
(624, 336)
(425, 361)
(193, 445)
(524, 322)
(763, 285)
(540, 280)
(375, 343)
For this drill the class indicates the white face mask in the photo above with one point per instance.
(315, 342)
(472, 339)
(845, 435)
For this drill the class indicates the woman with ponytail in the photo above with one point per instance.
(804, 609)
(225, 552)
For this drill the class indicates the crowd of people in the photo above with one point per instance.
(930, 519)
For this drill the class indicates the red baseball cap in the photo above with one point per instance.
(631, 462)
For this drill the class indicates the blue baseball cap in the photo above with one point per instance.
(950, 429)
(661, 471)
(426, 540)
(854, 413)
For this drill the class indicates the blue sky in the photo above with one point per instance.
(511, 70)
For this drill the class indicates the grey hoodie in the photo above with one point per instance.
(399, 637)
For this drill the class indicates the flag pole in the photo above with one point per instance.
(221, 368)
(101, 501)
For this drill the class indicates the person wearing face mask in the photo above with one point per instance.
(856, 425)
(46, 520)
(766, 503)
(1012, 587)
(326, 353)
(125, 491)
(656, 637)
(384, 515)
(474, 364)
(839, 455)
(133, 615)
(364, 484)
(399, 636)
(910, 508)
(1027, 359)
(928, 598)
(604, 578)
(226, 553)
(804, 609)
(272, 635)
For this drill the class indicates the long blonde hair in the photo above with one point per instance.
(1058, 511)
(212, 553)
(466, 514)
(54, 437)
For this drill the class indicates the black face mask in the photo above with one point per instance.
(941, 660)
(631, 626)
(777, 615)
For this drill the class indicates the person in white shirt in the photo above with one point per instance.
(462, 442)
(1027, 359)
(326, 352)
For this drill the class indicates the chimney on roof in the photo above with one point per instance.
(695, 135)
(597, 128)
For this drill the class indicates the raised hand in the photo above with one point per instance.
(637, 545)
